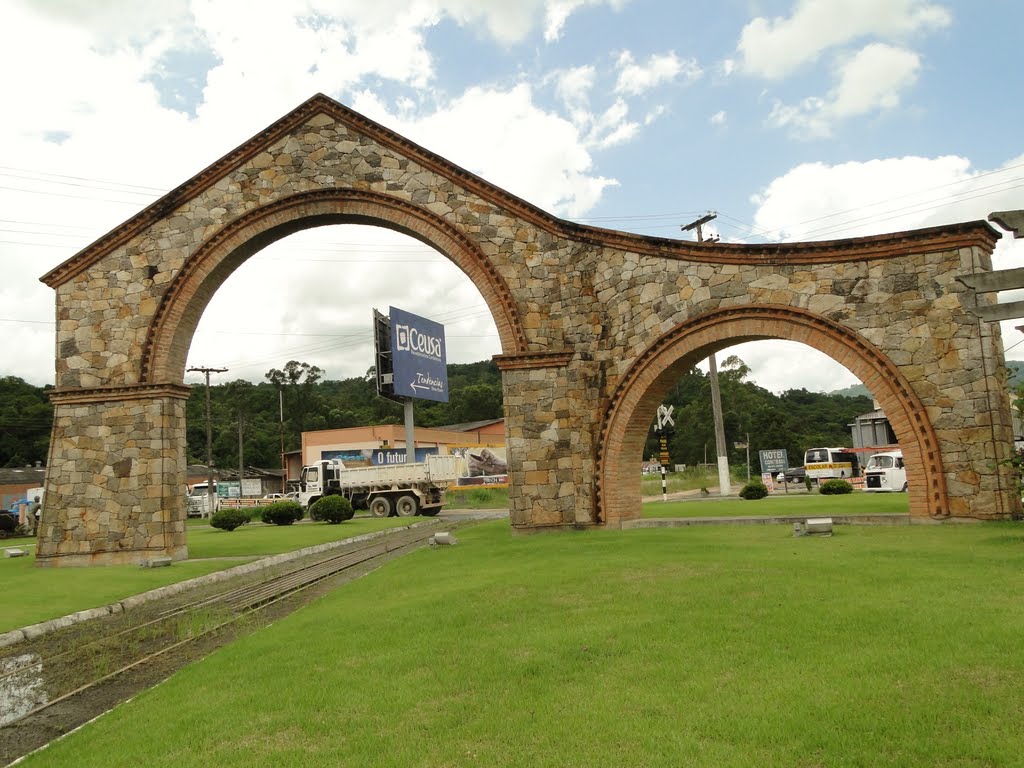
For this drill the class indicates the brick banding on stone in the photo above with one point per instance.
(166, 339)
(637, 395)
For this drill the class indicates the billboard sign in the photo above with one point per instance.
(483, 465)
(418, 358)
(775, 460)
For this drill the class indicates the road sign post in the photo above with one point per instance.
(773, 461)
(411, 363)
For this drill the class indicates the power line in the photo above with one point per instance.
(5, 168)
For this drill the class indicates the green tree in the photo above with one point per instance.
(297, 384)
(26, 418)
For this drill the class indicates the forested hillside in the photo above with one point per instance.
(795, 420)
(25, 420)
(309, 403)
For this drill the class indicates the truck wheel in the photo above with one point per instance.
(430, 511)
(380, 506)
(407, 506)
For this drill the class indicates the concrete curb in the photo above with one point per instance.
(15, 636)
(679, 522)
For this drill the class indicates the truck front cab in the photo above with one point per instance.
(315, 480)
(199, 500)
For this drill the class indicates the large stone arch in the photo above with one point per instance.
(182, 304)
(651, 376)
(588, 319)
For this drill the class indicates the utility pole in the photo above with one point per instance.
(241, 461)
(209, 437)
(284, 464)
(724, 486)
(699, 223)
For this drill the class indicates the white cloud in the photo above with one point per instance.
(508, 140)
(573, 87)
(659, 69)
(774, 48)
(873, 79)
(719, 118)
(557, 13)
(779, 365)
(870, 81)
(612, 128)
(116, 23)
(816, 201)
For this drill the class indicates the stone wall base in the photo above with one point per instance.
(129, 557)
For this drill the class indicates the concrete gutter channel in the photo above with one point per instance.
(16, 636)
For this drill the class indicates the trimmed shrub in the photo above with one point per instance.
(835, 487)
(808, 482)
(753, 491)
(282, 512)
(332, 509)
(229, 519)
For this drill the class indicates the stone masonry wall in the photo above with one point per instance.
(575, 307)
(115, 486)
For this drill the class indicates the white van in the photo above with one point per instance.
(885, 472)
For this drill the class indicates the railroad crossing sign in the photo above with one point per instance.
(664, 418)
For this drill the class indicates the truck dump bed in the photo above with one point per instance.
(436, 471)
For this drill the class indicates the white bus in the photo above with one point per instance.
(885, 472)
(828, 463)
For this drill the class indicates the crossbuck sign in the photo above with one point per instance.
(664, 418)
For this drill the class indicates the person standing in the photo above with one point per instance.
(35, 510)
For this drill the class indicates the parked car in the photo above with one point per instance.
(290, 496)
(796, 475)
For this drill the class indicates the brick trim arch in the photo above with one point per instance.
(635, 400)
(181, 306)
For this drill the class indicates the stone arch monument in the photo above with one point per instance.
(594, 326)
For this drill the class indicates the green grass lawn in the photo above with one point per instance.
(794, 503)
(31, 594)
(259, 539)
(693, 479)
(709, 646)
(480, 497)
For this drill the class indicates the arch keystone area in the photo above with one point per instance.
(592, 323)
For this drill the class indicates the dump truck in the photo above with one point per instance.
(199, 501)
(397, 489)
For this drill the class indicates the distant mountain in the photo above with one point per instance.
(854, 390)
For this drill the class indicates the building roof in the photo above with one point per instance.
(34, 476)
(469, 426)
(251, 473)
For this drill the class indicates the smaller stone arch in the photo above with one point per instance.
(635, 399)
(182, 304)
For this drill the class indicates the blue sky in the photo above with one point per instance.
(792, 119)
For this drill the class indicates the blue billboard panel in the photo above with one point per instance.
(418, 357)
